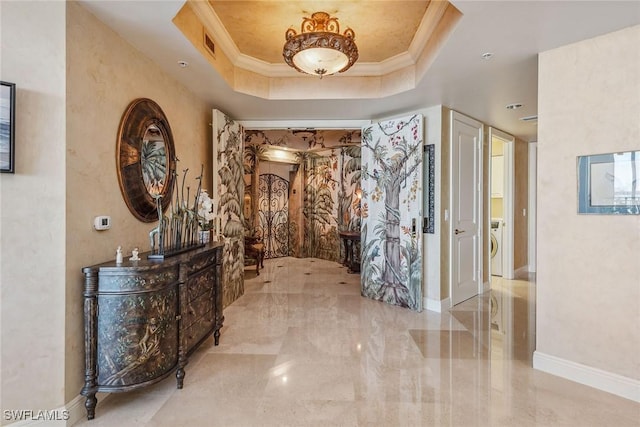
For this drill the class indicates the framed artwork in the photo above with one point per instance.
(7, 127)
(428, 225)
(609, 183)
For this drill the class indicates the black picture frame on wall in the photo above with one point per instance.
(7, 126)
(429, 174)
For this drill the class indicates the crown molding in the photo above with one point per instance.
(433, 15)
(222, 38)
(399, 73)
(213, 25)
(303, 124)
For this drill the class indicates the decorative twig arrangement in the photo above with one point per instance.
(178, 232)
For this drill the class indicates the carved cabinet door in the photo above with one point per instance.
(137, 336)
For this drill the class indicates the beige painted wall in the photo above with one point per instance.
(445, 199)
(520, 202)
(588, 274)
(104, 74)
(497, 208)
(32, 209)
(65, 177)
(432, 254)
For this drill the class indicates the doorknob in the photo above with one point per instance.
(458, 231)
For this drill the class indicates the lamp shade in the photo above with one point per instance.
(320, 60)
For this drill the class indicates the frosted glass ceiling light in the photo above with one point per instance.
(320, 49)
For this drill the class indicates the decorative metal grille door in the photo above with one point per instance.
(273, 212)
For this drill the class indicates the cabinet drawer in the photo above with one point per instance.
(124, 281)
(197, 308)
(200, 261)
(200, 283)
(198, 330)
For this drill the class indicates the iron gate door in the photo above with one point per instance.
(273, 213)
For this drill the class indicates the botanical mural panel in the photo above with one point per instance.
(328, 176)
(321, 208)
(350, 194)
(228, 164)
(303, 139)
(332, 200)
(392, 211)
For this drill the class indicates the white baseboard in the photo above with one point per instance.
(76, 410)
(587, 375)
(437, 305)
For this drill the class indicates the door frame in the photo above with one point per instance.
(508, 231)
(454, 115)
(532, 205)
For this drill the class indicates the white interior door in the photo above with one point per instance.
(466, 207)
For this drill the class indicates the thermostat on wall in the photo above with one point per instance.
(102, 222)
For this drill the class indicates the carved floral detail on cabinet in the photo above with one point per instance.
(124, 283)
(142, 332)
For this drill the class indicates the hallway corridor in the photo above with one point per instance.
(303, 348)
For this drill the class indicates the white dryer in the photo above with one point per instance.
(496, 246)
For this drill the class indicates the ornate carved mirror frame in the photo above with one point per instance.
(145, 157)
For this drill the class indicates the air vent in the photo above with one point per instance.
(529, 118)
(209, 45)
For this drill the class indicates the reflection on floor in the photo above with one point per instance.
(303, 348)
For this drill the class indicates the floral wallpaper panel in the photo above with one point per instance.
(229, 186)
(391, 200)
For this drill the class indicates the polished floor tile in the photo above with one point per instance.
(303, 348)
(449, 344)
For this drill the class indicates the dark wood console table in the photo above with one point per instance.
(350, 239)
(142, 319)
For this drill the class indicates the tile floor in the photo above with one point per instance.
(303, 348)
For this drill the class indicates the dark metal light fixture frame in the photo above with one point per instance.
(321, 31)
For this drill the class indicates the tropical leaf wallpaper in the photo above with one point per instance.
(331, 200)
(230, 187)
(321, 208)
(329, 169)
(391, 176)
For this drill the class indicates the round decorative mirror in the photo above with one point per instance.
(145, 157)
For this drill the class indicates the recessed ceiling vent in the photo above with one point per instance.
(529, 118)
(209, 45)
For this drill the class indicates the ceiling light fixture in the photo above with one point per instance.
(320, 49)
(513, 106)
